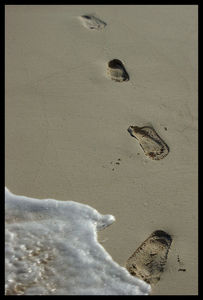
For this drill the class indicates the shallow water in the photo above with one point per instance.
(52, 249)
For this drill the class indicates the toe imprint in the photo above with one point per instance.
(152, 145)
(117, 71)
(92, 22)
(149, 260)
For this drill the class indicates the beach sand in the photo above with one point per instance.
(66, 122)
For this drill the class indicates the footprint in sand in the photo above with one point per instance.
(92, 22)
(117, 71)
(152, 145)
(149, 260)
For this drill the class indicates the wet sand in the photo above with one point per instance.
(67, 121)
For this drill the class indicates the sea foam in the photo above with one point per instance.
(51, 248)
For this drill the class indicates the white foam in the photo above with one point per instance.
(52, 249)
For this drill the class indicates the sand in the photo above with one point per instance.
(66, 122)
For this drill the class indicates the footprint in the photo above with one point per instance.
(92, 22)
(149, 260)
(117, 71)
(152, 145)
